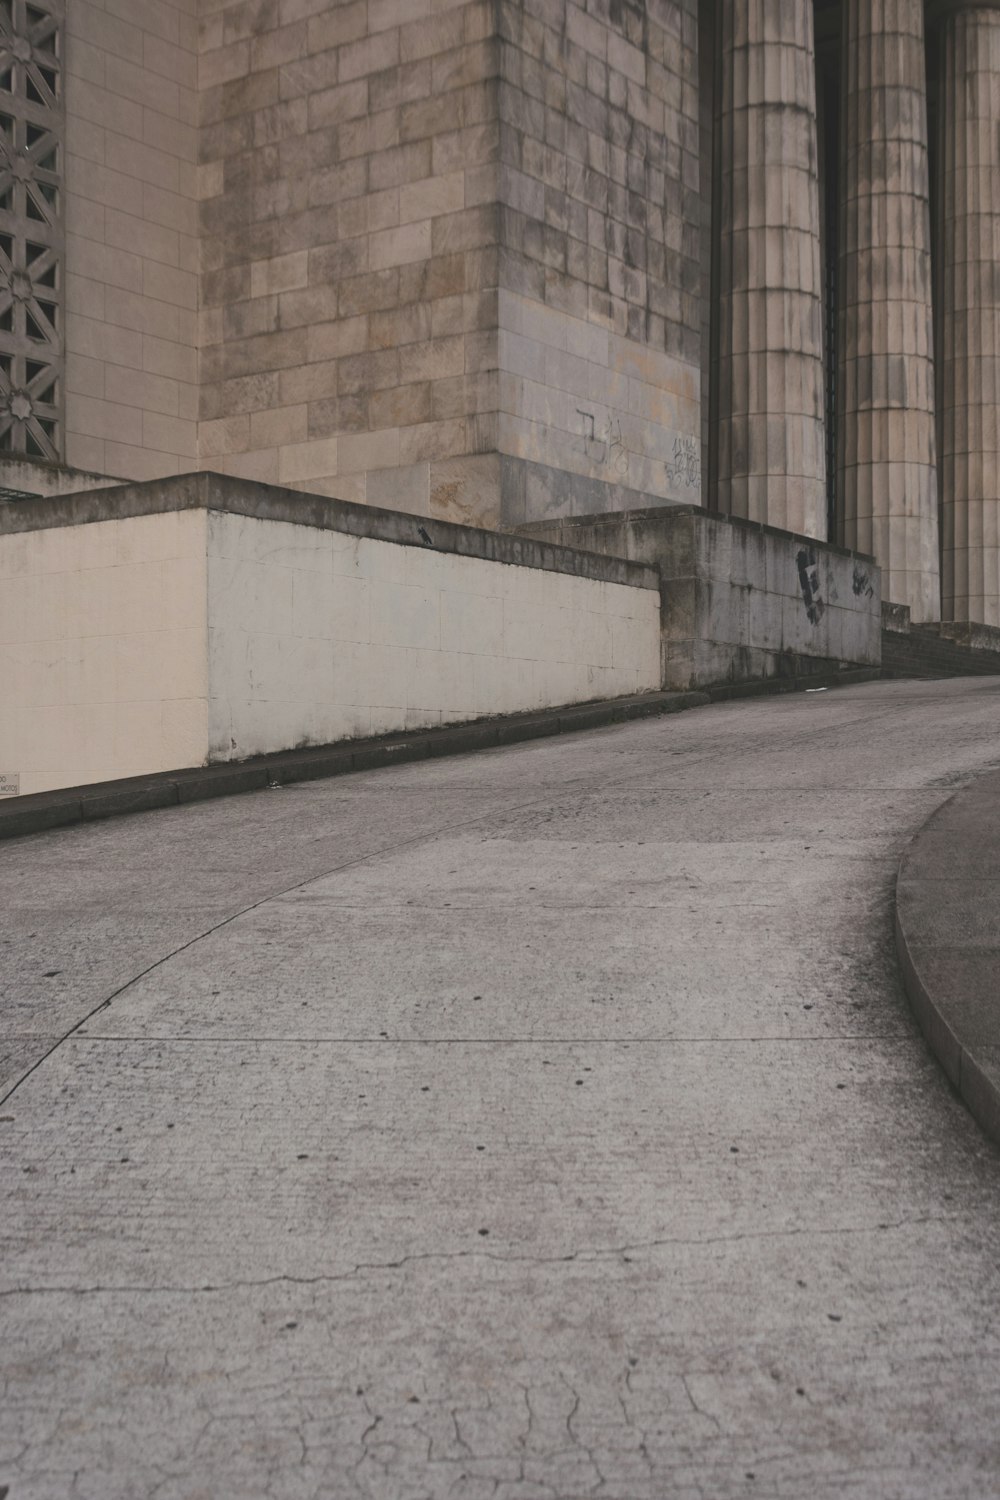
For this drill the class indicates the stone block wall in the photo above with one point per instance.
(600, 319)
(131, 261)
(439, 256)
(451, 255)
(349, 318)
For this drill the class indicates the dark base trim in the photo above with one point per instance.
(39, 811)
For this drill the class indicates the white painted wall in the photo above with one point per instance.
(315, 636)
(103, 669)
(150, 643)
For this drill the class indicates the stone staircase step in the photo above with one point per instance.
(923, 652)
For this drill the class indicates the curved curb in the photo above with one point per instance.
(948, 940)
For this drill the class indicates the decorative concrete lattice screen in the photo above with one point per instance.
(31, 232)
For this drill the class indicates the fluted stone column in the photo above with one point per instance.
(887, 462)
(772, 464)
(969, 108)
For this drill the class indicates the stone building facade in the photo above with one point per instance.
(501, 262)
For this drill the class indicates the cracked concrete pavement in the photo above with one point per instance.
(542, 1123)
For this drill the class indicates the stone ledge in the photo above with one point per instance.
(948, 939)
(699, 512)
(896, 617)
(40, 811)
(36, 478)
(206, 490)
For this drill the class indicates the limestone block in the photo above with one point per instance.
(406, 487)
(466, 489)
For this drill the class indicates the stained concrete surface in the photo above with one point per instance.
(543, 1123)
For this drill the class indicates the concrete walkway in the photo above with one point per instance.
(542, 1123)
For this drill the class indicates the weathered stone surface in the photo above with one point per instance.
(740, 600)
(771, 431)
(315, 244)
(599, 311)
(349, 229)
(887, 465)
(969, 116)
(26, 477)
(359, 230)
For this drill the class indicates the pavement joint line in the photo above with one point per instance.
(951, 969)
(884, 1196)
(495, 1041)
(299, 885)
(243, 911)
(40, 811)
(613, 706)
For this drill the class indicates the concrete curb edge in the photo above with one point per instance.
(956, 1004)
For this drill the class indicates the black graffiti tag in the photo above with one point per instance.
(809, 584)
(861, 584)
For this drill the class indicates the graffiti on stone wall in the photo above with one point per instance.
(862, 583)
(684, 468)
(604, 445)
(809, 584)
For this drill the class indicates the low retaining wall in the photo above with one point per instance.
(188, 621)
(740, 600)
